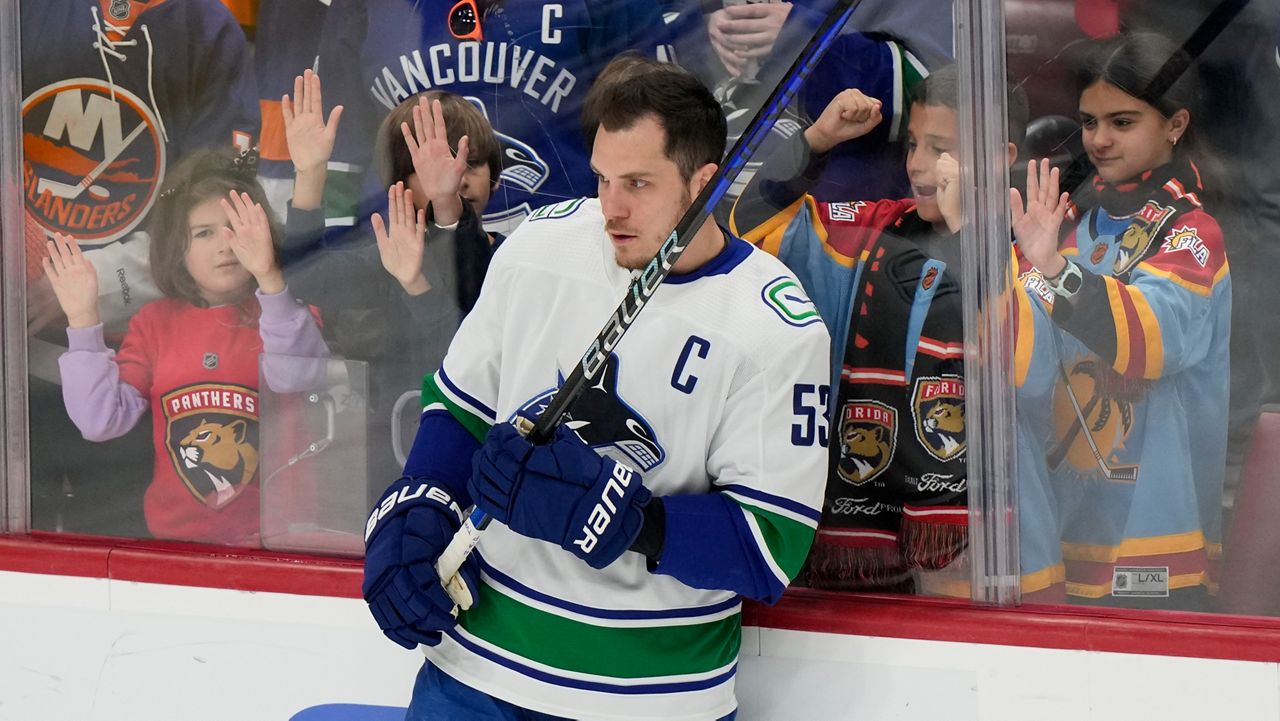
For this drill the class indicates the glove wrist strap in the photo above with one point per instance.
(653, 532)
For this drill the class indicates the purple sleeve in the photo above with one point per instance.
(100, 404)
(296, 352)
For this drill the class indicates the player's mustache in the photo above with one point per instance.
(618, 229)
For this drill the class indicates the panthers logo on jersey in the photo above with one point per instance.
(868, 438)
(94, 159)
(211, 433)
(1135, 243)
(938, 406)
(604, 421)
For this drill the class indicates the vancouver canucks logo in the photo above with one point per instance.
(605, 421)
(938, 407)
(93, 159)
(522, 166)
(868, 436)
(785, 297)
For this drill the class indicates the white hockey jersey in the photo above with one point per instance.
(719, 387)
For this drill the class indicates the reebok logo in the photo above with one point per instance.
(602, 515)
(406, 494)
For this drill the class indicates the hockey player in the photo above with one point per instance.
(1134, 308)
(526, 65)
(688, 475)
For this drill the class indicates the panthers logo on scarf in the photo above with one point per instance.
(868, 437)
(938, 407)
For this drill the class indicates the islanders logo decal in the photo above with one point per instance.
(938, 406)
(211, 433)
(93, 159)
(868, 438)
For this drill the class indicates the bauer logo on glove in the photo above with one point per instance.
(406, 494)
(600, 517)
(563, 493)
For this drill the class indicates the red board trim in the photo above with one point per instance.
(1244, 638)
(181, 564)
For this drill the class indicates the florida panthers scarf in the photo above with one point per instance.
(896, 485)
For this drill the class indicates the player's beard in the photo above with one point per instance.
(629, 260)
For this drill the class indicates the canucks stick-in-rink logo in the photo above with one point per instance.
(606, 422)
(93, 159)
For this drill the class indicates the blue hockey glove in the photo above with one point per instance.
(404, 536)
(562, 492)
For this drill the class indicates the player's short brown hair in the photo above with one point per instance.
(692, 120)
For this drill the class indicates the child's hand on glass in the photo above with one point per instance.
(400, 240)
(1036, 227)
(309, 136)
(250, 240)
(438, 167)
(74, 281)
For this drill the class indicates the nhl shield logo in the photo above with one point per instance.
(868, 437)
(930, 277)
(210, 360)
(938, 406)
(93, 159)
(211, 433)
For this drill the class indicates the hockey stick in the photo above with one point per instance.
(1117, 474)
(647, 281)
(62, 190)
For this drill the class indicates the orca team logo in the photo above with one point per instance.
(94, 159)
(211, 433)
(522, 167)
(603, 420)
(938, 406)
(868, 438)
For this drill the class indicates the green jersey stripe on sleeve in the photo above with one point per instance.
(786, 541)
(433, 393)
